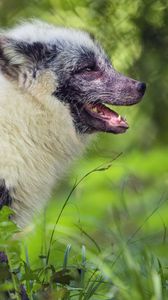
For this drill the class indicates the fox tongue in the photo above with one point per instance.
(102, 112)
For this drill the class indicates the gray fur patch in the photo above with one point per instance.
(5, 198)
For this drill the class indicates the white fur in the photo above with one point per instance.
(46, 33)
(38, 138)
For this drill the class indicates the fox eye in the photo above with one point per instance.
(87, 69)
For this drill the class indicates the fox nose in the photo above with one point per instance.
(141, 87)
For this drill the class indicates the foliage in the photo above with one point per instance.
(108, 240)
(128, 259)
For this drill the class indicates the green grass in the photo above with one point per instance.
(110, 240)
(106, 237)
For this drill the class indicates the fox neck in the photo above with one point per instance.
(42, 143)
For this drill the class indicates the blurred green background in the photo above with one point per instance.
(128, 202)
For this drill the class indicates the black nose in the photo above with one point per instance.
(141, 87)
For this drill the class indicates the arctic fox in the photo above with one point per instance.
(54, 86)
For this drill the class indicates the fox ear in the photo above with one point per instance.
(11, 59)
(18, 55)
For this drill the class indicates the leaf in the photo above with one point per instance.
(63, 277)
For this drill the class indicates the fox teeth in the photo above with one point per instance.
(94, 109)
(119, 118)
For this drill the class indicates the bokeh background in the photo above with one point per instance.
(127, 203)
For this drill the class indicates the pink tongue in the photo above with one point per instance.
(109, 115)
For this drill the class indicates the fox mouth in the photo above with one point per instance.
(94, 114)
(99, 117)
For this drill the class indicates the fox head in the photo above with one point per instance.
(72, 67)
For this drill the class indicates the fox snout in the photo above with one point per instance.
(122, 90)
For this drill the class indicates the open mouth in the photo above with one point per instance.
(102, 118)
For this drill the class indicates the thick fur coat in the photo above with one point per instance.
(35, 150)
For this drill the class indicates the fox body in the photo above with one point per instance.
(54, 83)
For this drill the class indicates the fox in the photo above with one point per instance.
(56, 86)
